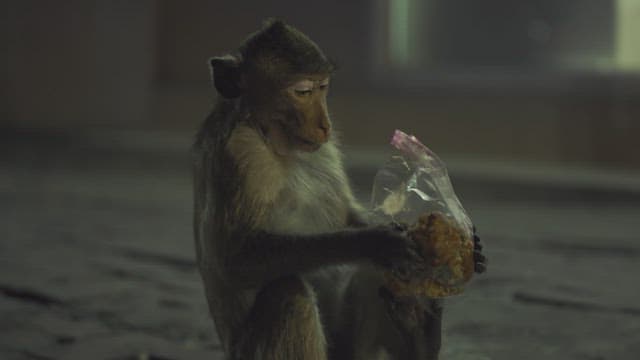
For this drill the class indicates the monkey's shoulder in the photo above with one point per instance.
(262, 174)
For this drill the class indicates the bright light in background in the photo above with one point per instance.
(627, 35)
(399, 32)
(576, 35)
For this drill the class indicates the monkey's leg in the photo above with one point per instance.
(419, 320)
(283, 324)
(397, 330)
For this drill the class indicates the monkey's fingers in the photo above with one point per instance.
(408, 270)
(480, 262)
(476, 243)
(411, 265)
(403, 273)
(414, 256)
(399, 226)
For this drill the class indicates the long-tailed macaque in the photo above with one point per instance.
(290, 267)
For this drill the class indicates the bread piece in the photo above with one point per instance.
(449, 252)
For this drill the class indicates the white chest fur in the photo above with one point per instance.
(314, 198)
(306, 193)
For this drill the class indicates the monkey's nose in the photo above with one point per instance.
(324, 134)
(326, 130)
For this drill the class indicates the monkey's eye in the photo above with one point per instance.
(303, 92)
(302, 88)
(324, 84)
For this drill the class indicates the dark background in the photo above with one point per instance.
(534, 105)
(532, 80)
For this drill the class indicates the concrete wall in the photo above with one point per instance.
(77, 63)
(142, 65)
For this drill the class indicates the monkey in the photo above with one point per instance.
(291, 266)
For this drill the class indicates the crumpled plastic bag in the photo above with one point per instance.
(414, 188)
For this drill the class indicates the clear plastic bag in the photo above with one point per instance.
(414, 188)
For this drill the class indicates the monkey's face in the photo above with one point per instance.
(308, 119)
(297, 116)
(283, 78)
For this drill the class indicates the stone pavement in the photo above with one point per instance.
(96, 262)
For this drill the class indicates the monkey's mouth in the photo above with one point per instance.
(307, 145)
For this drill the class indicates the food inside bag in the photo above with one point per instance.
(413, 188)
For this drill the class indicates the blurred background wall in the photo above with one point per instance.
(527, 81)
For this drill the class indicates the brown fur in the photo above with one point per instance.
(285, 310)
(283, 264)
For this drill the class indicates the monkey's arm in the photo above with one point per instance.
(266, 256)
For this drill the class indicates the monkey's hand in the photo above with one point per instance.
(479, 260)
(396, 251)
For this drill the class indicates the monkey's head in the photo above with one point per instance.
(282, 78)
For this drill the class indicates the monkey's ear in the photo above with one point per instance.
(227, 75)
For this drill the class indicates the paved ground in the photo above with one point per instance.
(96, 262)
